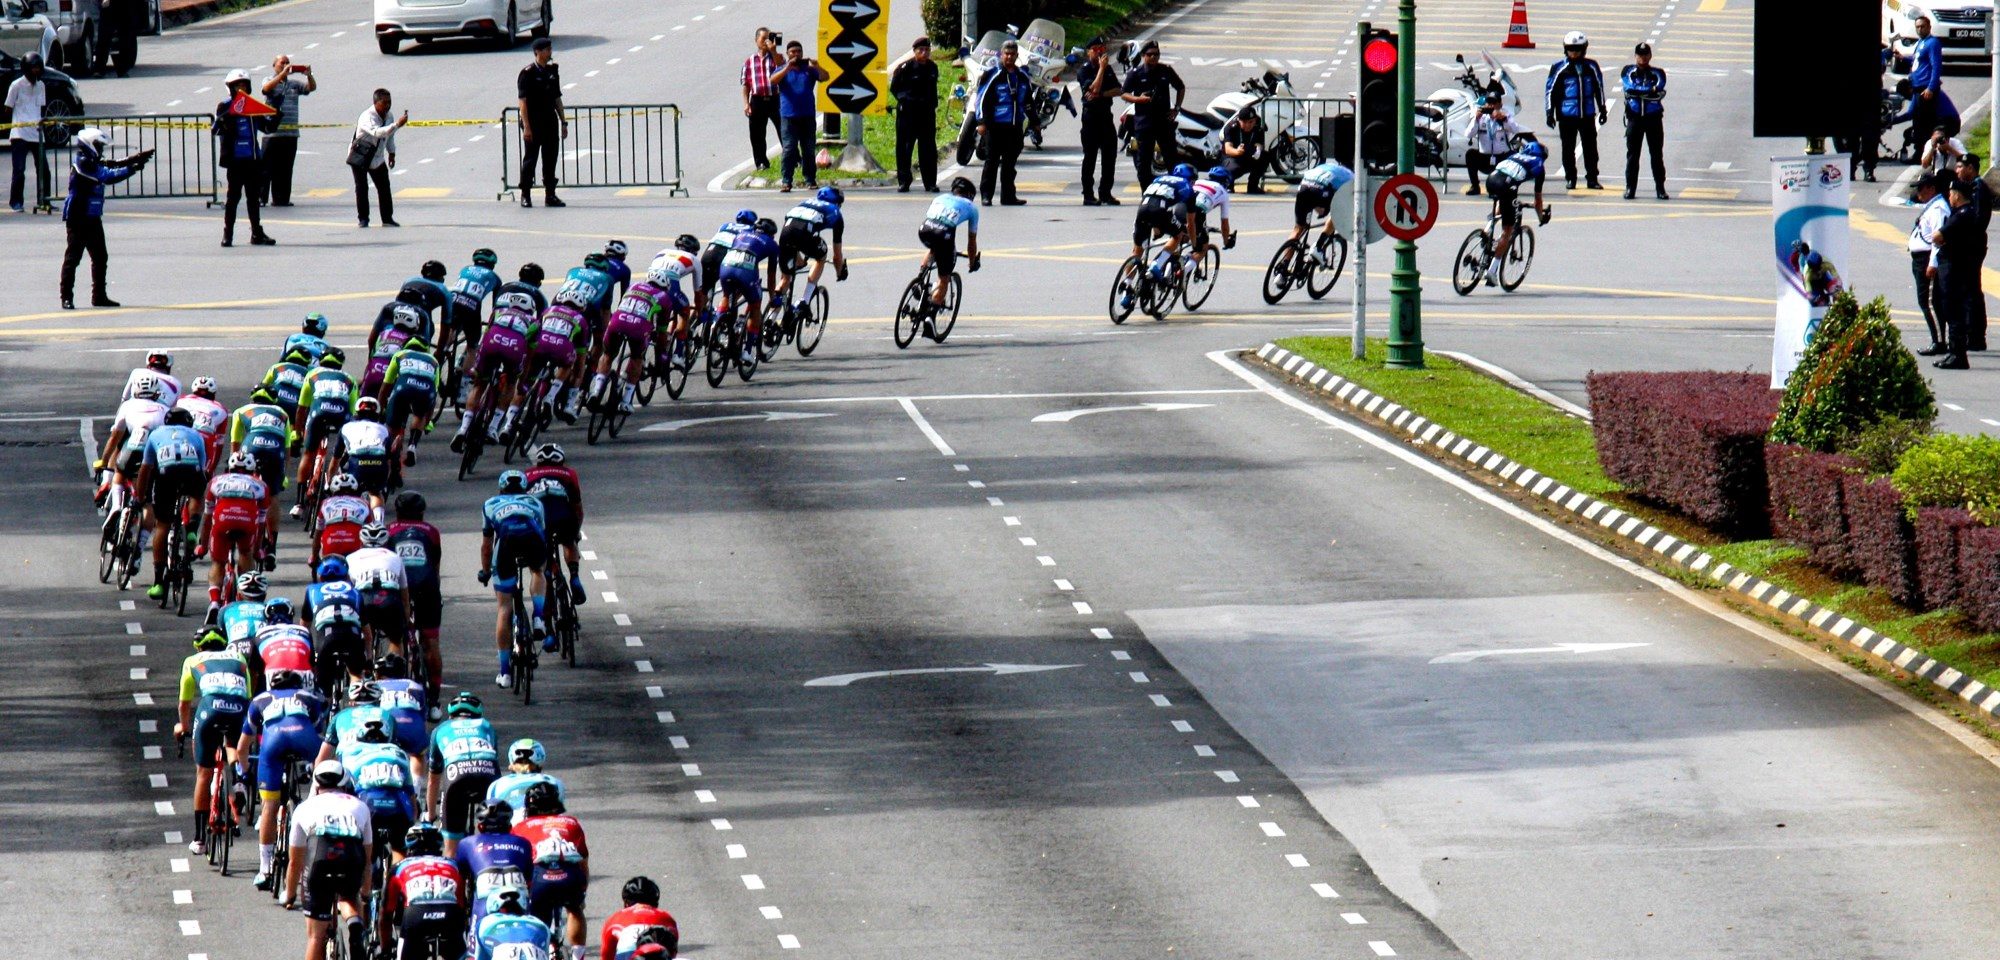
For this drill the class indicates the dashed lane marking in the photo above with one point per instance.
(1271, 829)
(1228, 776)
(656, 692)
(1028, 541)
(1120, 655)
(1082, 609)
(183, 897)
(704, 796)
(720, 823)
(1160, 700)
(785, 940)
(771, 913)
(1326, 891)
(1203, 750)
(753, 882)
(1100, 633)
(736, 851)
(1354, 918)
(1046, 561)
(664, 716)
(621, 619)
(691, 769)
(1297, 860)
(1139, 676)
(634, 642)
(644, 666)
(1182, 726)
(678, 743)
(1381, 948)
(1248, 803)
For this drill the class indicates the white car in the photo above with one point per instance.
(1959, 25)
(427, 20)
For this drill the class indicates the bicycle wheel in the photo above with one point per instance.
(128, 546)
(1470, 262)
(946, 316)
(1520, 256)
(649, 362)
(909, 309)
(673, 370)
(1333, 254)
(771, 336)
(1279, 276)
(722, 348)
(746, 366)
(182, 554)
(1125, 290)
(223, 815)
(1201, 283)
(1156, 296)
(812, 323)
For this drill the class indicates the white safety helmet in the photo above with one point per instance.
(1575, 38)
(92, 138)
(234, 75)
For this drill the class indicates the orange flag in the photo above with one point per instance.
(244, 106)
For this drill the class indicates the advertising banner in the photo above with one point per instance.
(1809, 197)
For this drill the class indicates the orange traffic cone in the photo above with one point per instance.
(1517, 28)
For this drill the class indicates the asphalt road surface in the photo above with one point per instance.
(1304, 697)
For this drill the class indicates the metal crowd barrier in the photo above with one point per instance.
(183, 163)
(631, 145)
(1301, 131)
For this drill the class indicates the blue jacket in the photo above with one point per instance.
(89, 174)
(1643, 90)
(1927, 64)
(236, 137)
(1003, 98)
(1574, 89)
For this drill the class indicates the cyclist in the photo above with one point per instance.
(669, 268)
(311, 338)
(508, 933)
(283, 729)
(641, 917)
(215, 693)
(801, 238)
(503, 348)
(560, 875)
(364, 706)
(560, 490)
(421, 548)
(209, 416)
(469, 291)
(280, 644)
(939, 234)
(136, 417)
(160, 367)
(332, 844)
(382, 779)
(399, 321)
(720, 245)
(528, 280)
(233, 516)
(1504, 183)
(240, 619)
(412, 385)
(1166, 208)
(614, 264)
(366, 439)
(403, 700)
(425, 899)
(494, 859)
(742, 281)
(513, 539)
(378, 574)
(286, 379)
(563, 328)
(175, 467)
(524, 770)
(1211, 193)
(589, 289)
(263, 430)
(427, 290)
(1317, 185)
(463, 763)
(341, 516)
(632, 321)
(324, 406)
(335, 609)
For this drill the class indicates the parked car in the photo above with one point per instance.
(1959, 25)
(427, 20)
(65, 100)
(23, 31)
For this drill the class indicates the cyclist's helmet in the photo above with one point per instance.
(314, 323)
(615, 249)
(1535, 149)
(298, 356)
(513, 481)
(241, 462)
(432, 270)
(465, 705)
(250, 586)
(1222, 176)
(527, 751)
(1575, 39)
(180, 417)
(485, 257)
(541, 799)
(766, 227)
(374, 535)
(417, 344)
(365, 692)
(279, 610)
(687, 243)
(160, 360)
(372, 732)
(410, 505)
(642, 890)
(746, 217)
(392, 666)
(659, 276)
(831, 194)
(548, 454)
(498, 817)
(1184, 171)
(962, 187)
(531, 274)
(423, 839)
(287, 680)
(332, 569)
(506, 900)
(576, 296)
(595, 261)
(262, 394)
(209, 638)
(146, 388)
(368, 408)
(331, 360)
(343, 483)
(203, 387)
(329, 774)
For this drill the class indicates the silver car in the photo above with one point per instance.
(427, 20)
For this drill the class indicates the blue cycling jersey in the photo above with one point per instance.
(1521, 166)
(240, 622)
(514, 514)
(620, 273)
(1167, 188)
(170, 447)
(472, 286)
(314, 347)
(1329, 176)
(464, 743)
(505, 936)
(750, 249)
(281, 706)
(332, 602)
(950, 210)
(596, 282)
(816, 215)
(725, 237)
(513, 788)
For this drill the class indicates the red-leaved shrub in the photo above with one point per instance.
(1937, 530)
(1807, 506)
(1979, 576)
(1692, 440)
(1880, 541)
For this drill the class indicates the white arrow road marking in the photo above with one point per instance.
(1468, 656)
(1066, 416)
(767, 416)
(997, 669)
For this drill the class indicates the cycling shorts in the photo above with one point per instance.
(173, 483)
(742, 282)
(798, 242)
(554, 351)
(462, 796)
(942, 242)
(1312, 199)
(339, 651)
(217, 722)
(563, 525)
(392, 810)
(226, 534)
(382, 609)
(711, 266)
(517, 552)
(407, 730)
(1158, 217)
(1505, 191)
(550, 887)
(371, 470)
(322, 426)
(284, 741)
(270, 467)
(464, 314)
(627, 327)
(441, 923)
(409, 402)
(426, 606)
(333, 871)
(500, 349)
(371, 379)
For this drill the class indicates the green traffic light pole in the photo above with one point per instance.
(1406, 327)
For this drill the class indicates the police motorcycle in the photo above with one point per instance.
(1449, 111)
(1041, 58)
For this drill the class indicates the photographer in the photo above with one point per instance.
(282, 89)
(1243, 148)
(1490, 138)
(83, 212)
(794, 83)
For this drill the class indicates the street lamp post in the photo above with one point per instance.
(1406, 339)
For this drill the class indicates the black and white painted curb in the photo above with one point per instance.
(1687, 556)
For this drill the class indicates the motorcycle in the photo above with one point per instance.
(1040, 58)
(1452, 109)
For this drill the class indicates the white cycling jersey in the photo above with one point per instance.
(1209, 196)
(331, 814)
(139, 418)
(365, 437)
(209, 417)
(345, 508)
(376, 568)
(170, 388)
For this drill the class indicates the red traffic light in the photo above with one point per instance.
(1379, 55)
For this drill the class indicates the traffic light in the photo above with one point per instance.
(1376, 97)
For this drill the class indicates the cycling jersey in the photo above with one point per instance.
(348, 724)
(586, 289)
(740, 265)
(799, 233)
(1330, 176)
(679, 265)
(1521, 166)
(505, 936)
(560, 493)
(286, 724)
(620, 273)
(396, 324)
(463, 746)
(209, 416)
(240, 622)
(504, 346)
(558, 333)
(513, 788)
(1167, 189)
(382, 778)
(725, 238)
(140, 418)
(170, 388)
(519, 529)
(1209, 196)
(421, 882)
(328, 393)
(367, 443)
(469, 291)
(950, 210)
(376, 568)
(236, 506)
(331, 814)
(418, 544)
(430, 296)
(282, 646)
(285, 381)
(264, 431)
(412, 370)
(556, 838)
(340, 521)
(335, 829)
(331, 603)
(217, 683)
(170, 448)
(315, 347)
(634, 316)
(620, 937)
(493, 862)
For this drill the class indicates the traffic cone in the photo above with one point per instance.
(1517, 28)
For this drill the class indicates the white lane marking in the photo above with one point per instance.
(138, 649)
(149, 726)
(178, 864)
(173, 837)
(1354, 918)
(1028, 542)
(736, 851)
(183, 897)
(613, 61)
(1248, 802)
(164, 808)
(996, 669)
(1046, 561)
(1100, 633)
(569, 86)
(1381, 948)
(138, 673)
(1203, 750)
(158, 780)
(785, 940)
(657, 37)
(655, 692)
(621, 619)
(1081, 608)
(1228, 776)
(995, 502)
(587, 554)
(1271, 829)
(1990, 423)
(643, 46)
(151, 753)
(704, 796)
(1139, 676)
(1953, 406)
(691, 769)
(664, 716)
(753, 881)
(1066, 416)
(1064, 585)
(190, 928)
(976, 484)
(678, 743)
(599, 575)
(961, 468)
(634, 642)
(610, 597)
(771, 913)
(1011, 521)
(590, 74)
(143, 699)
(1120, 655)
(475, 138)
(1467, 656)
(683, 26)
(1325, 890)
(135, 628)
(720, 824)
(645, 666)
(173, 103)
(340, 33)
(127, 605)
(699, 16)
(1295, 859)
(1160, 700)
(930, 433)
(1182, 726)
(313, 45)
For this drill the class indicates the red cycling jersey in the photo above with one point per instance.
(556, 838)
(565, 476)
(622, 930)
(424, 881)
(286, 653)
(236, 504)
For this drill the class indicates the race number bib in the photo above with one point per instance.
(221, 684)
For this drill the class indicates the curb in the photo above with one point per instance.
(181, 15)
(1687, 556)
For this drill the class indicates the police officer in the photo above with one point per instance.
(1097, 79)
(914, 85)
(1155, 90)
(1574, 105)
(1003, 115)
(1961, 249)
(543, 126)
(83, 211)
(1645, 86)
(242, 157)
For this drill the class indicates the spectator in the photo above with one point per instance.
(1001, 110)
(1926, 78)
(1573, 98)
(26, 97)
(1645, 121)
(1243, 149)
(1961, 249)
(242, 158)
(1098, 81)
(117, 35)
(796, 102)
(914, 85)
(1156, 92)
(543, 126)
(372, 156)
(1967, 171)
(1929, 220)
(83, 212)
(1492, 139)
(1941, 152)
(760, 100)
(282, 90)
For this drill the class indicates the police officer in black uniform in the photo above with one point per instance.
(1645, 86)
(914, 85)
(543, 127)
(1097, 79)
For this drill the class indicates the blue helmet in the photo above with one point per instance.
(746, 217)
(280, 610)
(1184, 171)
(831, 194)
(513, 481)
(315, 324)
(1535, 149)
(332, 568)
(1221, 175)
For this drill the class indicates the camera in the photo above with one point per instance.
(777, 39)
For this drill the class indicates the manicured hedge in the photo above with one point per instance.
(1691, 440)
(1979, 576)
(1807, 505)
(1880, 540)
(1938, 530)
(1855, 372)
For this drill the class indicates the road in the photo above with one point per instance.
(1247, 751)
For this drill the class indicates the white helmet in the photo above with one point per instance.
(343, 483)
(1575, 38)
(234, 75)
(93, 138)
(146, 388)
(374, 535)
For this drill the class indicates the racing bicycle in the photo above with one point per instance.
(118, 539)
(918, 312)
(1475, 255)
(1291, 267)
(559, 608)
(803, 328)
(180, 556)
(1154, 279)
(482, 417)
(726, 337)
(527, 653)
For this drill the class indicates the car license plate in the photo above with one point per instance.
(1967, 33)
